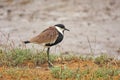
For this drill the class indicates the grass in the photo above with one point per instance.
(19, 57)
(103, 59)
(106, 72)
(17, 73)
(62, 73)
(17, 64)
(87, 74)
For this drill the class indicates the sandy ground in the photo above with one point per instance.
(94, 24)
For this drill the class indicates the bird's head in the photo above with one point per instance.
(61, 28)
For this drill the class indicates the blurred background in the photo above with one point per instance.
(94, 24)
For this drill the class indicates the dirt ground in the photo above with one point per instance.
(44, 73)
(94, 24)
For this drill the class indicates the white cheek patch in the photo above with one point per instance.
(59, 29)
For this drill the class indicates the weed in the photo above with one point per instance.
(18, 57)
(106, 72)
(41, 57)
(70, 57)
(84, 58)
(62, 73)
(102, 59)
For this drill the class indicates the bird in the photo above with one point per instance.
(49, 37)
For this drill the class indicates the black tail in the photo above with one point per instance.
(26, 42)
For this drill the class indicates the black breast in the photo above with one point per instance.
(59, 39)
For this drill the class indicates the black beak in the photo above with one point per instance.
(67, 29)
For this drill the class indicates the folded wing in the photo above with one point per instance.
(47, 36)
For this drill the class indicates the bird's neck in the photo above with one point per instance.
(59, 29)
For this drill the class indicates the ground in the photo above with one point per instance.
(94, 25)
(88, 71)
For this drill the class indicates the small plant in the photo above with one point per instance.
(16, 57)
(3, 58)
(102, 59)
(19, 56)
(84, 58)
(70, 57)
(106, 72)
(41, 58)
(60, 73)
(66, 73)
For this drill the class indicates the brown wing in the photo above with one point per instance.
(47, 36)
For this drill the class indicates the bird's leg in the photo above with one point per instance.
(49, 63)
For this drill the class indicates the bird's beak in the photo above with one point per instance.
(67, 29)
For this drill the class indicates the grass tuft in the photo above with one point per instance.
(19, 57)
(103, 59)
(62, 73)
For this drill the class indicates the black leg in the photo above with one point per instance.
(49, 63)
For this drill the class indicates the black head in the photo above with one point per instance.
(62, 26)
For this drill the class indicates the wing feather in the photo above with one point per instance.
(47, 36)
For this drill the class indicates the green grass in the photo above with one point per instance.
(106, 72)
(100, 73)
(103, 59)
(41, 57)
(14, 57)
(18, 56)
(60, 73)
